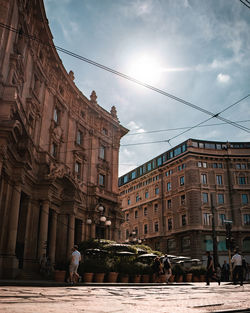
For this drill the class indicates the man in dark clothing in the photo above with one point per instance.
(225, 271)
(210, 268)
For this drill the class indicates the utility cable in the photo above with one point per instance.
(248, 6)
(20, 32)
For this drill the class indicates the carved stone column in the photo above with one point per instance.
(92, 230)
(71, 233)
(43, 233)
(13, 219)
(52, 239)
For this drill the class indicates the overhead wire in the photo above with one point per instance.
(127, 77)
(246, 3)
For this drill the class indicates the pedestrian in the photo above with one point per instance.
(237, 268)
(244, 267)
(157, 269)
(218, 273)
(225, 271)
(210, 268)
(73, 266)
(43, 262)
(167, 267)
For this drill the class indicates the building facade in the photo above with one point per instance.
(58, 149)
(179, 201)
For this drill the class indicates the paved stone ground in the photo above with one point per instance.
(195, 297)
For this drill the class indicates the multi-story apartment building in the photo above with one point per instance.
(178, 201)
(58, 149)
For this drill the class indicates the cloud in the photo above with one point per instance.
(133, 126)
(223, 78)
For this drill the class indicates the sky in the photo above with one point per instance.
(196, 50)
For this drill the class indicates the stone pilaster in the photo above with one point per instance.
(71, 233)
(43, 232)
(13, 219)
(52, 239)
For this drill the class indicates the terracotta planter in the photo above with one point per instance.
(196, 279)
(124, 278)
(59, 276)
(88, 277)
(171, 278)
(189, 277)
(112, 277)
(145, 278)
(99, 277)
(136, 278)
(203, 278)
(179, 279)
(162, 278)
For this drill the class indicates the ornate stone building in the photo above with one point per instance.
(173, 201)
(58, 149)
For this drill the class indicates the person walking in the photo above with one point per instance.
(167, 267)
(210, 268)
(225, 271)
(73, 266)
(237, 268)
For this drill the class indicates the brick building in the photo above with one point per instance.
(58, 149)
(171, 200)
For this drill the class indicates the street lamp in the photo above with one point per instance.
(100, 222)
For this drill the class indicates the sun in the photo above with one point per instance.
(145, 69)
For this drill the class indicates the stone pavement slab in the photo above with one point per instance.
(195, 297)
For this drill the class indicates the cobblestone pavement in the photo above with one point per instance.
(195, 297)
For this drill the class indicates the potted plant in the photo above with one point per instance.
(60, 271)
(178, 271)
(124, 270)
(146, 272)
(195, 270)
(136, 272)
(86, 271)
(112, 270)
(188, 275)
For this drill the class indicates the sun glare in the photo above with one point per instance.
(145, 69)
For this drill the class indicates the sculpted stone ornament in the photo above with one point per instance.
(93, 97)
(114, 112)
(57, 132)
(57, 170)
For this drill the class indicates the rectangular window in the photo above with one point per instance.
(168, 186)
(220, 198)
(133, 175)
(170, 226)
(56, 115)
(219, 179)
(242, 180)
(156, 227)
(54, 150)
(244, 198)
(127, 217)
(159, 161)
(204, 164)
(146, 195)
(183, 220)
(205, 197)
(102, 152)
(149, 167)
(79, 137)
(246, 218)
(206, 218)
(145, 229)
(204, 179)
(182, 181)
(222, 218)
(136, 214)
(156, 207)
(138, 198)
(101, 180)
(145, 212)
(169, 204)
(129, 202)
(183, 199)
(78, 169)
(199, 164)
(157, 191)
(125, 179)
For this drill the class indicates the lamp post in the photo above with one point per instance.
(228, 225)
(133, 238)
(100, 222)
(214, 237)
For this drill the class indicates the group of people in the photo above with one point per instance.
(219, 273)
(46, 266)
(162, 266)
